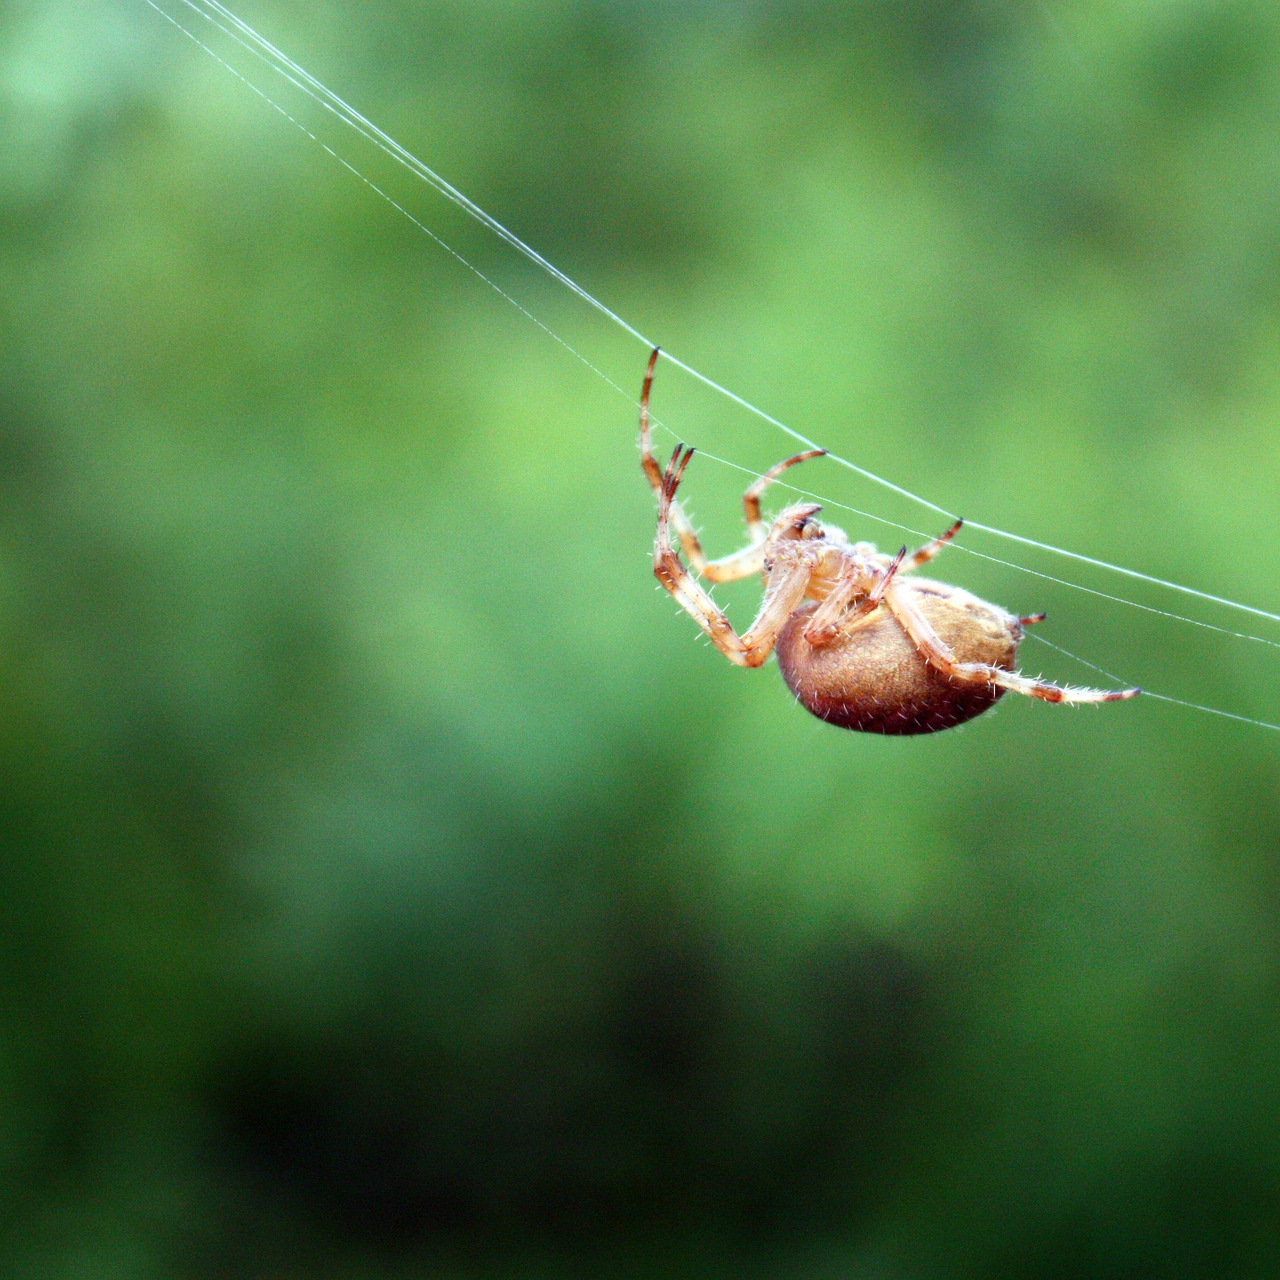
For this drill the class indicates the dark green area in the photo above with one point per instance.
(393, 885)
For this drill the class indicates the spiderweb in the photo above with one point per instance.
(198, 19)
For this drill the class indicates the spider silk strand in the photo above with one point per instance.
(368, 182)
(1159, 697)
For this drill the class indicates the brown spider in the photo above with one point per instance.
(860, 644)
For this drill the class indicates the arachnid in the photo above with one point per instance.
(860, 643)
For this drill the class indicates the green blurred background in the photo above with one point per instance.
(393, 884)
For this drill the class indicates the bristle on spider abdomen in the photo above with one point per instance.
(872, 677)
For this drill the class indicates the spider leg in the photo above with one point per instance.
(841, 607)
(751, 499)
(652, 470)
(845, 605)
(927, 552)
(939, 655)
(741, 564)
(653, 473)
(785, 589)
(1042, 689)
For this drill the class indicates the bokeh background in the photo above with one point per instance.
(393, 884)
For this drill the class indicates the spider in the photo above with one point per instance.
(859, 643)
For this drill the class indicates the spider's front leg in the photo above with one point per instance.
(740, 564)
(653, 473)
(756, 526)
(783, 593)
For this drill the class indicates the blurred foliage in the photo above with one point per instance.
(392, 885)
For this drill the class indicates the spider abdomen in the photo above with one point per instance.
(873, 678)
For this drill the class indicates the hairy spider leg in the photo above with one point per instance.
(939, 655)
(653, 473)
(740, 564)
(849, 600)
(751, 499)
(784, 592)
(926, 553)
(652, 469)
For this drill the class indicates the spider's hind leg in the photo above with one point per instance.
(1042, 689)
(941, 657)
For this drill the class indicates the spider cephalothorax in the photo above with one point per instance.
(860, 643)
